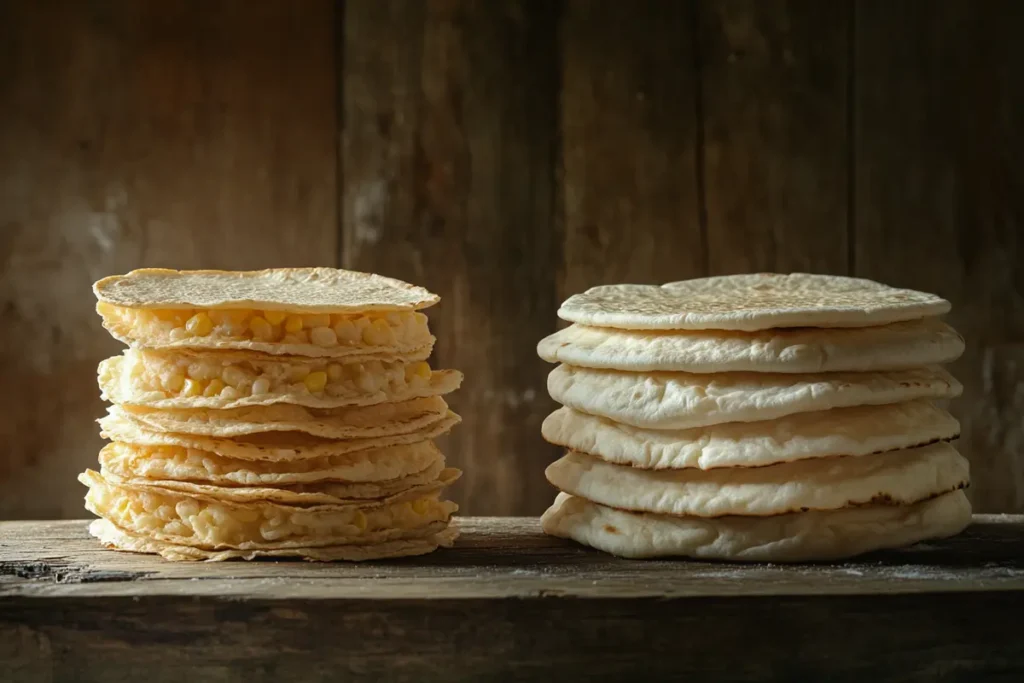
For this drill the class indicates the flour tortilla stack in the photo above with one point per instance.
(754, 417)
(278, 413)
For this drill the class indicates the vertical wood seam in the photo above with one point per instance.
(851, 139)
(559, 218)
(338, 36)
(698, 105)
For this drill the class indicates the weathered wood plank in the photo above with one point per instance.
(940, 200)
(502, 558)
(629, 145)
(182, 134)
(449, 137)
(773, 77)
(509, 603)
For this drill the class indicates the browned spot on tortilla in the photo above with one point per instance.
(610, 529)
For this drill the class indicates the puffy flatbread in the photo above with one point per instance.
(796, 537)
(897, 346)
(678, 400)
(856, 431)
(750, 302)
(897, 477)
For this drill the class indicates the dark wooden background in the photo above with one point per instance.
(504, 154)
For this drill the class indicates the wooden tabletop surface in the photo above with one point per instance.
(508, 603)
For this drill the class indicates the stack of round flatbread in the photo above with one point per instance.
(754, 417)
(285, 412)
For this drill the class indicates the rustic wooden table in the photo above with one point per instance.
(510, 604)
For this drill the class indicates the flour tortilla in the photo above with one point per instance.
(897, 477)
(201, 520)
(750, 302)
(796, 537)
(117, 539)
(380, 421)
(121, 380)
(381, 470)
(301, 290)
(682, 401)
(318, 493)
(856, 431)
(277, 447)
(896, 346)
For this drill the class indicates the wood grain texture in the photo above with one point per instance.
(940, 200)
(179, 134)
(449, 135)
(629, 145)
(509, 603)
(773, 78)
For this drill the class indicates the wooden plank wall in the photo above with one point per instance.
(505, 154)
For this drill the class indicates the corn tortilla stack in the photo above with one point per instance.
(276, 413)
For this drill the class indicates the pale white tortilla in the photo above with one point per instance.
(750, 302)
(796, 537)
(896, 346)
(678, 400)
(856, 431)
(897, 477)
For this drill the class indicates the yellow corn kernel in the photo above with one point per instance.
(261, 329)
(193, 387)
(346, 331)
(323, 336)
(234, 376)
(170, 315)
(359, 520)
(422, 370)
(260, 386)
(420, 506)
(174, 382)
(218, 317)
(317, 320)
(215, 386)
(200, 324)
(293, 324)
(379, 333)
(315, 381)
(274, 317)
(335, 372)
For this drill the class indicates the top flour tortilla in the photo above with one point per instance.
(750, 302)
(313, 290)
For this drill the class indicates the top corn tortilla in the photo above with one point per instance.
(312, 290)
(750, 302)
